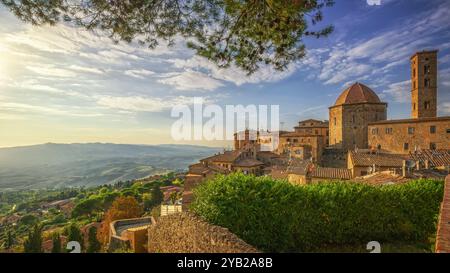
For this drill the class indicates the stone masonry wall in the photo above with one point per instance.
(187, 233)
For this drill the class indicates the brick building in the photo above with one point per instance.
(424, 130)
(354, 109)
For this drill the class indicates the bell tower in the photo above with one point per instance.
(424, 84)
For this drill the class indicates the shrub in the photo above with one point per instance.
(274, 215)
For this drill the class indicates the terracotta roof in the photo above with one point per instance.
(227, 156)
(383, 160)
(267, 154)
(437, 158)
(414, 120)
(297, 134)
(248, 162)
(357, 93)
(318, 123)
(331, 173)
(298, 166)
(198, 168)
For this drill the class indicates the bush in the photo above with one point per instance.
(274, 215)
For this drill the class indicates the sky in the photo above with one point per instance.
(67, 85)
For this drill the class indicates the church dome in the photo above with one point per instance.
(357, 93)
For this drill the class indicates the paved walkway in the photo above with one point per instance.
(443, 231)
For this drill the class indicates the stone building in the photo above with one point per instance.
(407, 135)
(302, 146)
(424, 84)
(354, 109)
(314, 127)
(424, 130)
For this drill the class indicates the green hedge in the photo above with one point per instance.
(274, 215)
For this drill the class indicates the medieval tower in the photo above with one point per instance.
(424, 84)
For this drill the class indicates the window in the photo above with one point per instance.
(433, 129)
(295, 140)
(334, 121)
(448, 131)
(405, 146)
(379, 146)
(414, 106)
(414, 84)
(317, 132)
(414, 72)
(374, 131)
(389, 131)
(411, 130)
(427, 105)
(426, 83)
(427, 69)
(353, 118)
(432, 146)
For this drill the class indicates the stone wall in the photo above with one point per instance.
(349, 122)
(187, 233)
(392, 135)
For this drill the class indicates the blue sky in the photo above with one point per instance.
(60, 84)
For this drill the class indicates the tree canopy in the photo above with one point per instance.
(246, 33)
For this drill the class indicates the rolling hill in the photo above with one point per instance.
(91, 164)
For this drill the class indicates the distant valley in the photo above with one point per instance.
(73, 165)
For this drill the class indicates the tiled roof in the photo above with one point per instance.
(363, 159)
(248, 162)
(267, 154)
(357, 93)
(298, 166)
(331, 173)
(436, 158)
(227, 156)
(297, 134)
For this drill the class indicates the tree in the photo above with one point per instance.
(56, 238)
(244, 33)
(94, 245)
(152, 199)
(9, 242)
(123, 207)
(33, 243)
(74, 234)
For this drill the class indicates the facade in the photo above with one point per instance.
(424, 84)
(354, 109)
(362, 163)
(314, 127)
(408, 135)
(301, 146)
(424, 130)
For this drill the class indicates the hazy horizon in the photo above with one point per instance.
(63, 84)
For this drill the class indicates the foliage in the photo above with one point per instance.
(122, 208)
(244, 33)
(277, 216)
(56, 238)
(93, 243)
(33, 243)
(74, 234)
(154, 198)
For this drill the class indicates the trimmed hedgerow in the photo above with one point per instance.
(276, 216)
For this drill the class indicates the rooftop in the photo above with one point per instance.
(331, 173)
(413, 120)
(364, 159)
(357, 93)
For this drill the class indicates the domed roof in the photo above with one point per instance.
(357, 93)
